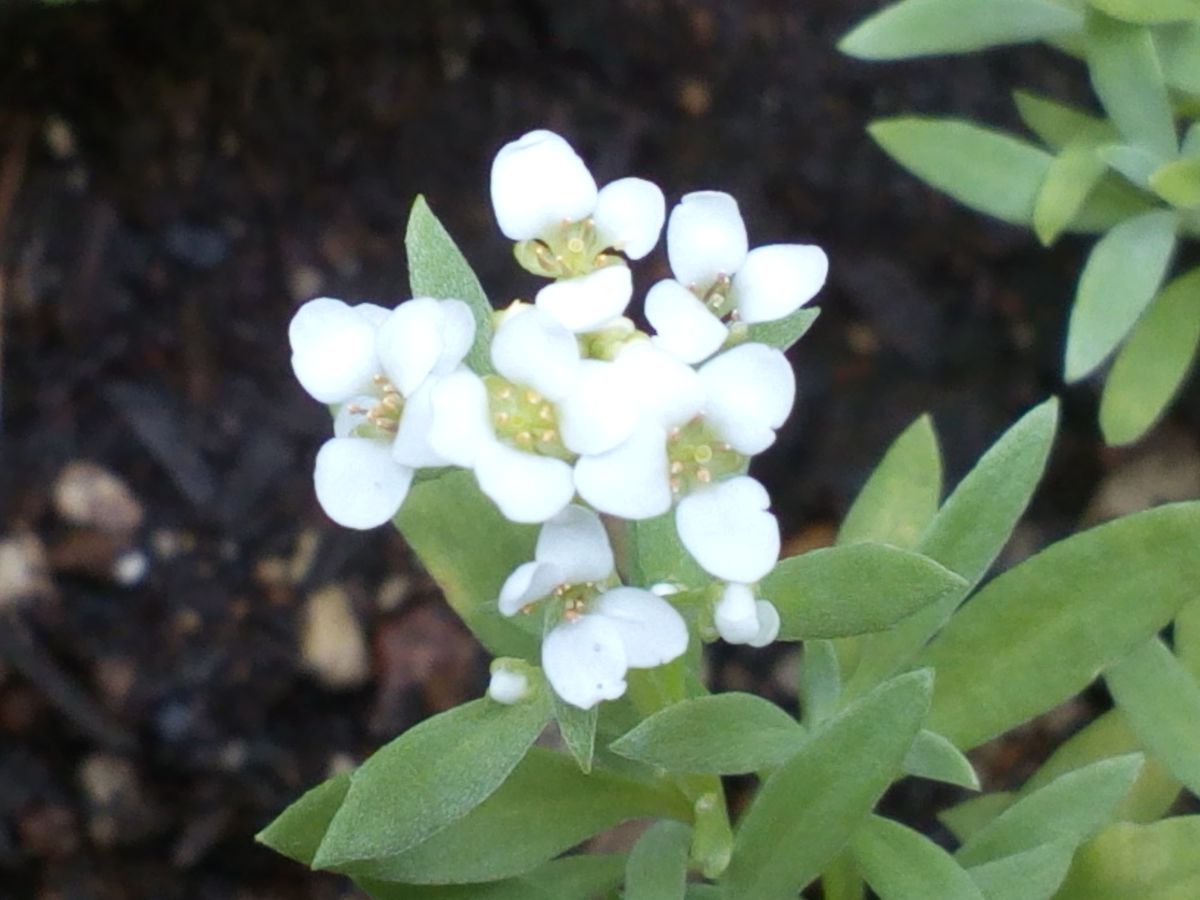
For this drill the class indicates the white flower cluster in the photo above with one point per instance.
(581, 413)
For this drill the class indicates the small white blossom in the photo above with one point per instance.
(588, 302)
(684, 326)
(729, 530)
(749, 392)
(333, 348)
(507, 686)
(741, 618)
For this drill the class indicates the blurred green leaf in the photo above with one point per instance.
(1135, 164)
(657, 555)
(924, 27)
(430, 776)
(989, 171)
(820, 682)
(1149, 12)
(968, 818)
(1111, 202)
(578, 729)
(783, 333)
(579, 877)
(934, 757)
(298, 831)
(724, 734)
(1154, 362)
(1121, 277)
(902, 864)
(1156, 862)
(806, 812)
(1059, 125)
(658, 865)
(1179, 52)
(1187, 637)
(1178, 182)
(1070, 179)
(1040, 632)
(854, 589)
(1032, 875)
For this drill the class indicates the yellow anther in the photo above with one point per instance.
(546, 414)
(524, 438)
(533, 398)
(703, 476)
(549, 435)
(504, 393)
(676, 468)
(676, 485)
(501, 418)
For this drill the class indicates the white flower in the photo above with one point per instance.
(588, 302)
(749, 391)
(740, 618)
(729, 531)
(333, 348)
(684, 326)
(572, 548)
(508, 685)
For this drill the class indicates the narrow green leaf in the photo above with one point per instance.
(1178, 182)
(704, 892)
(925, 27)
(657, 868)
(545, 807)
(437, 268)
(1149, 12)
(723, 734)
(1161, 700)
(441, 517)
(932, 756)
(1070, 179)
(969, 817)
(1128, 79)
(578, 729)
(989, 171)
(783, 333)
(807, 811)
(1156, 862)
(1111, 202)
(298, 831)
(1121, 277)
(854, 589)
(1187, 637)
(508, 889)
(1135, 164)
(659, 556)
(841, 879)
(1179, 52)
(1032, 875)
(901, 496)
(1191, 141)
(820, 682)
(1152, 366)
(1059, 125)
(902, 864)
(1040, 632)
(430, 776)
(580, 877)
(1071, 808)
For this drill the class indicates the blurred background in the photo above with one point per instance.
(186, 643)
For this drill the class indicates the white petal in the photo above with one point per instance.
(333, 349)
(651, 628)
(457, 335)
(729, 531)
(410, 343)
(631, 480)
(526, 487)
(601, 411)
(735, 615)
(373, 313)
(584, 661)
(528, 583)
(768, 624)
(351, 414)
(751, 389)
(461, 422)
(706, 237)
(665, 389)
(576, 543)
(684, 327)
(533, 349)
(507, 687)
(629, 215)
(411, 446)
(539, 182)
(587, 302)
(358, 483)
(778, 279)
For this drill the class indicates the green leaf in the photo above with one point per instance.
(902, 494)
(932, 756)
(854, 589)
(1032, 875)
(990, 171)
(437, 268)
(578, 729)
(820, 682)
(1187, 637)
(441, 517)
(1161, 700)
(1070, 179)
(902, 864)
(1110, 203)
(545, 807)
(658, 865)
(1128, 79)
(1152, 366)
(1121, 277)
(1149, 12)
(579, 877)
(1135, 164)
(430, 776)
(1179, 52)
(924, 27)
(969, 817)
(1157, 862)
(806, 812)
(724, 734)
(1071, 808)
(1059, 125)
(783, 333)
(841, 879)
(1178, 182)
(1040, 632)
(299, 829)
(659, 556)
(967, 535)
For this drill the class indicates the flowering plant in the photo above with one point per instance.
(579, 487)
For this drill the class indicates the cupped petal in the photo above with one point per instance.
(706, 238)
(533, 349)
(576, 544)
(457, 335)
(629, 215)
(587, 302)
(507, 686)
(333, 349)
(358, 483)
(411, 446)
(728, 530)
(768, 624)
(776, 280)
(528, 583)
(631, 480)
(526, 487)
(651, 629)
(665, 390)
(584, 661)
(410, 343)
(601, 411)
(538, 181)
(750, 391)
(461, 421)
(683, 326)
(735, 615)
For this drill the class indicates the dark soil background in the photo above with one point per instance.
(186, 643)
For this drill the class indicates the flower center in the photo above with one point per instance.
(571, 249)
(383, 418)
(719, 298)
(524, 419)
(697, 457)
